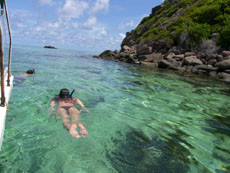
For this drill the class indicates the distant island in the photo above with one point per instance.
(50, 47)
(182, 35)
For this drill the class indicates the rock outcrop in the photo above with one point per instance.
(50, 47)
(174, 37)
(219, 68)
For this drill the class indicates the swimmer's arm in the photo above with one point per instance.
(81, 104)
(52, 104)
(22, 75)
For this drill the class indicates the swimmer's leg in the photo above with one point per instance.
(83, 130)
(75, 116)
(67, 124)
(65, 119)
(73, 131)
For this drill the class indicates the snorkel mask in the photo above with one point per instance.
(30, 71)
(64, 94)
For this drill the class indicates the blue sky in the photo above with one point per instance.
(91, 25)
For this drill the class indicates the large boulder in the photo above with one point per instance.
(192, 60)
(188, 54)
(164, 64)
(109, 55)
(170, 55)
(178, 57)
(154, 57)
(127, 49)
(223, 65)
(224, 76)
(212, 61)
(144, 49)
(207, 68)
(226, 53)
(169, 64)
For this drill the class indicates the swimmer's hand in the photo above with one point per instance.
(84, 109)
(52, 109)
(51, 113)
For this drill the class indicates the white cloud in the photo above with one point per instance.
(39, 29)
(66, 29)
(99, 6)
(130, 24)
(21, 20)
(41, 3)
(21, 15)
(20, 25)
(122, 35)
(97, 32)
(75, 25)
(73, 9)
(102, 31)
(54, 25)
(90, 23)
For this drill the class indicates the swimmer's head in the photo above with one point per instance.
(30, 71)
(64, 94)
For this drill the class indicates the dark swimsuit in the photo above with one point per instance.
(66, 108)
(56, 99)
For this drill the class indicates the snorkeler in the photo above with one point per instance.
(21, 77)
(65, 109)
(30, 72)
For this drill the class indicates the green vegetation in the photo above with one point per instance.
(198, 32)
(224, 40)
(145, 19)
(197, 19)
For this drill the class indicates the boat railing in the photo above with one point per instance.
(3, 100)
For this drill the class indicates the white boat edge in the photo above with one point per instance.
(3, 110)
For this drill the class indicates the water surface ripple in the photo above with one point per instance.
(140, 120)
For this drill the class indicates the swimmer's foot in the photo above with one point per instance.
(73, 131)
(83, 131)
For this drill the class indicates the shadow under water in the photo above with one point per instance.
(93, 102)
(138, 153)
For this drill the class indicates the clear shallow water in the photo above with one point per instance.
(140, 120)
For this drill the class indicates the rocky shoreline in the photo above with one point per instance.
(181, 36)
(214, 65)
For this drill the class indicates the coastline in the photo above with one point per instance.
(214, 65)
(180, 36)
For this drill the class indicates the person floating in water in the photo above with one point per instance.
(65, 109)
(21, 77)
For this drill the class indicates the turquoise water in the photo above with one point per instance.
(140, 120)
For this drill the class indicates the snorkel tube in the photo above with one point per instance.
(72, 93)
(33, 71)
